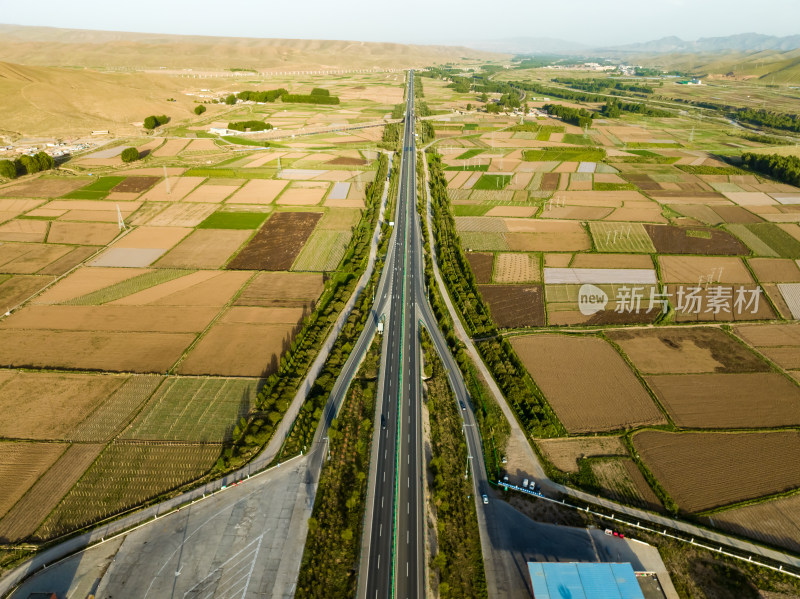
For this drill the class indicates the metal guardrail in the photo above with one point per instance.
(613, 518)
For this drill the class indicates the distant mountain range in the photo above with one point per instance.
(743, 42)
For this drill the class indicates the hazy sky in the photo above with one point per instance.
(420, 21)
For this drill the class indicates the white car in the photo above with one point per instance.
(485, 499)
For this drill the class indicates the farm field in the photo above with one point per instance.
(566, 453)
(621, 480)
(21, 464)
(514, 306)
(747, 400)
(773, 522)
(124, 476)
(602, 395)
(278, 242)
(696, 469)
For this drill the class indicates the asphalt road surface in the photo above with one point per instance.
(396, 547)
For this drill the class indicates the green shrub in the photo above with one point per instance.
(199, 109)
(154, 121)
(130, 155)
(7, 169)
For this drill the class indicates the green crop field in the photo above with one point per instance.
(621, 237)
(128, 287)
(566, 154)
(469, 167)
(470, 209)
(470, 154)
(124, 476)
(117, 410)
(97, 190)
(476, 240)
(194, 409)
(492, 182)
(753, 241)
(783, 244)
(234, 220)
(323, 251)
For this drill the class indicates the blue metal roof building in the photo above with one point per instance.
(558, 580)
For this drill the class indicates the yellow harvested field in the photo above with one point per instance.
(282, 289)
(24, 230)
(82, 233)
(86, 350)
(263, 158)
(586, 382)
(202, 145)
(770, 335)
(565, 453)
(148, 237)
(19, 288)
(538, 235)
(459, 179)
(20, 465)
(182, 215)
(125, 207)
(512, 211)
(622, 481)
(258, 191)
(112, 318)
(239, 350)
(172, 189)
(517, 268)
(47, 405)
(205, 248)
(86, 280)
(202, 288)
(769, 270)
(171, 148)
(775, 522)
(355, 204)
(211, 194)
(30, 258)
(22, 520)
(612, 261)
(703, 269)
(100, 216)
(257, 315)
(301, 197)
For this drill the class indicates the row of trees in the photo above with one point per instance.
(603, 85)
(263, 96)
(154, 121)
(533, 411)
(782, 168)
(26, 165)
(249, 126)
(580, 117)
(458, 561)
(767, 118)
(310, 99)
(614, 109)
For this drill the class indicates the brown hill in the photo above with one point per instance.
(76, 47)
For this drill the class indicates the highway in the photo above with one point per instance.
(396, 541)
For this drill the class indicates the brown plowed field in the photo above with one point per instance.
(29, 258)
(587, 383)
(775, 270)
(22, 520)
(750, 400)
(20, 465)
(621, 480)
(45, 405)
(701, 471)
(515, 306)
(481, 264)
(69, 261)
(689, 312)
(282, 290)
(565, 453)
(88, 350)
(17, 289)
(775, 522)
(278, 243)
(736, 215)
(702, 269)
(676, 240)
(135, 184)
(687, 351)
